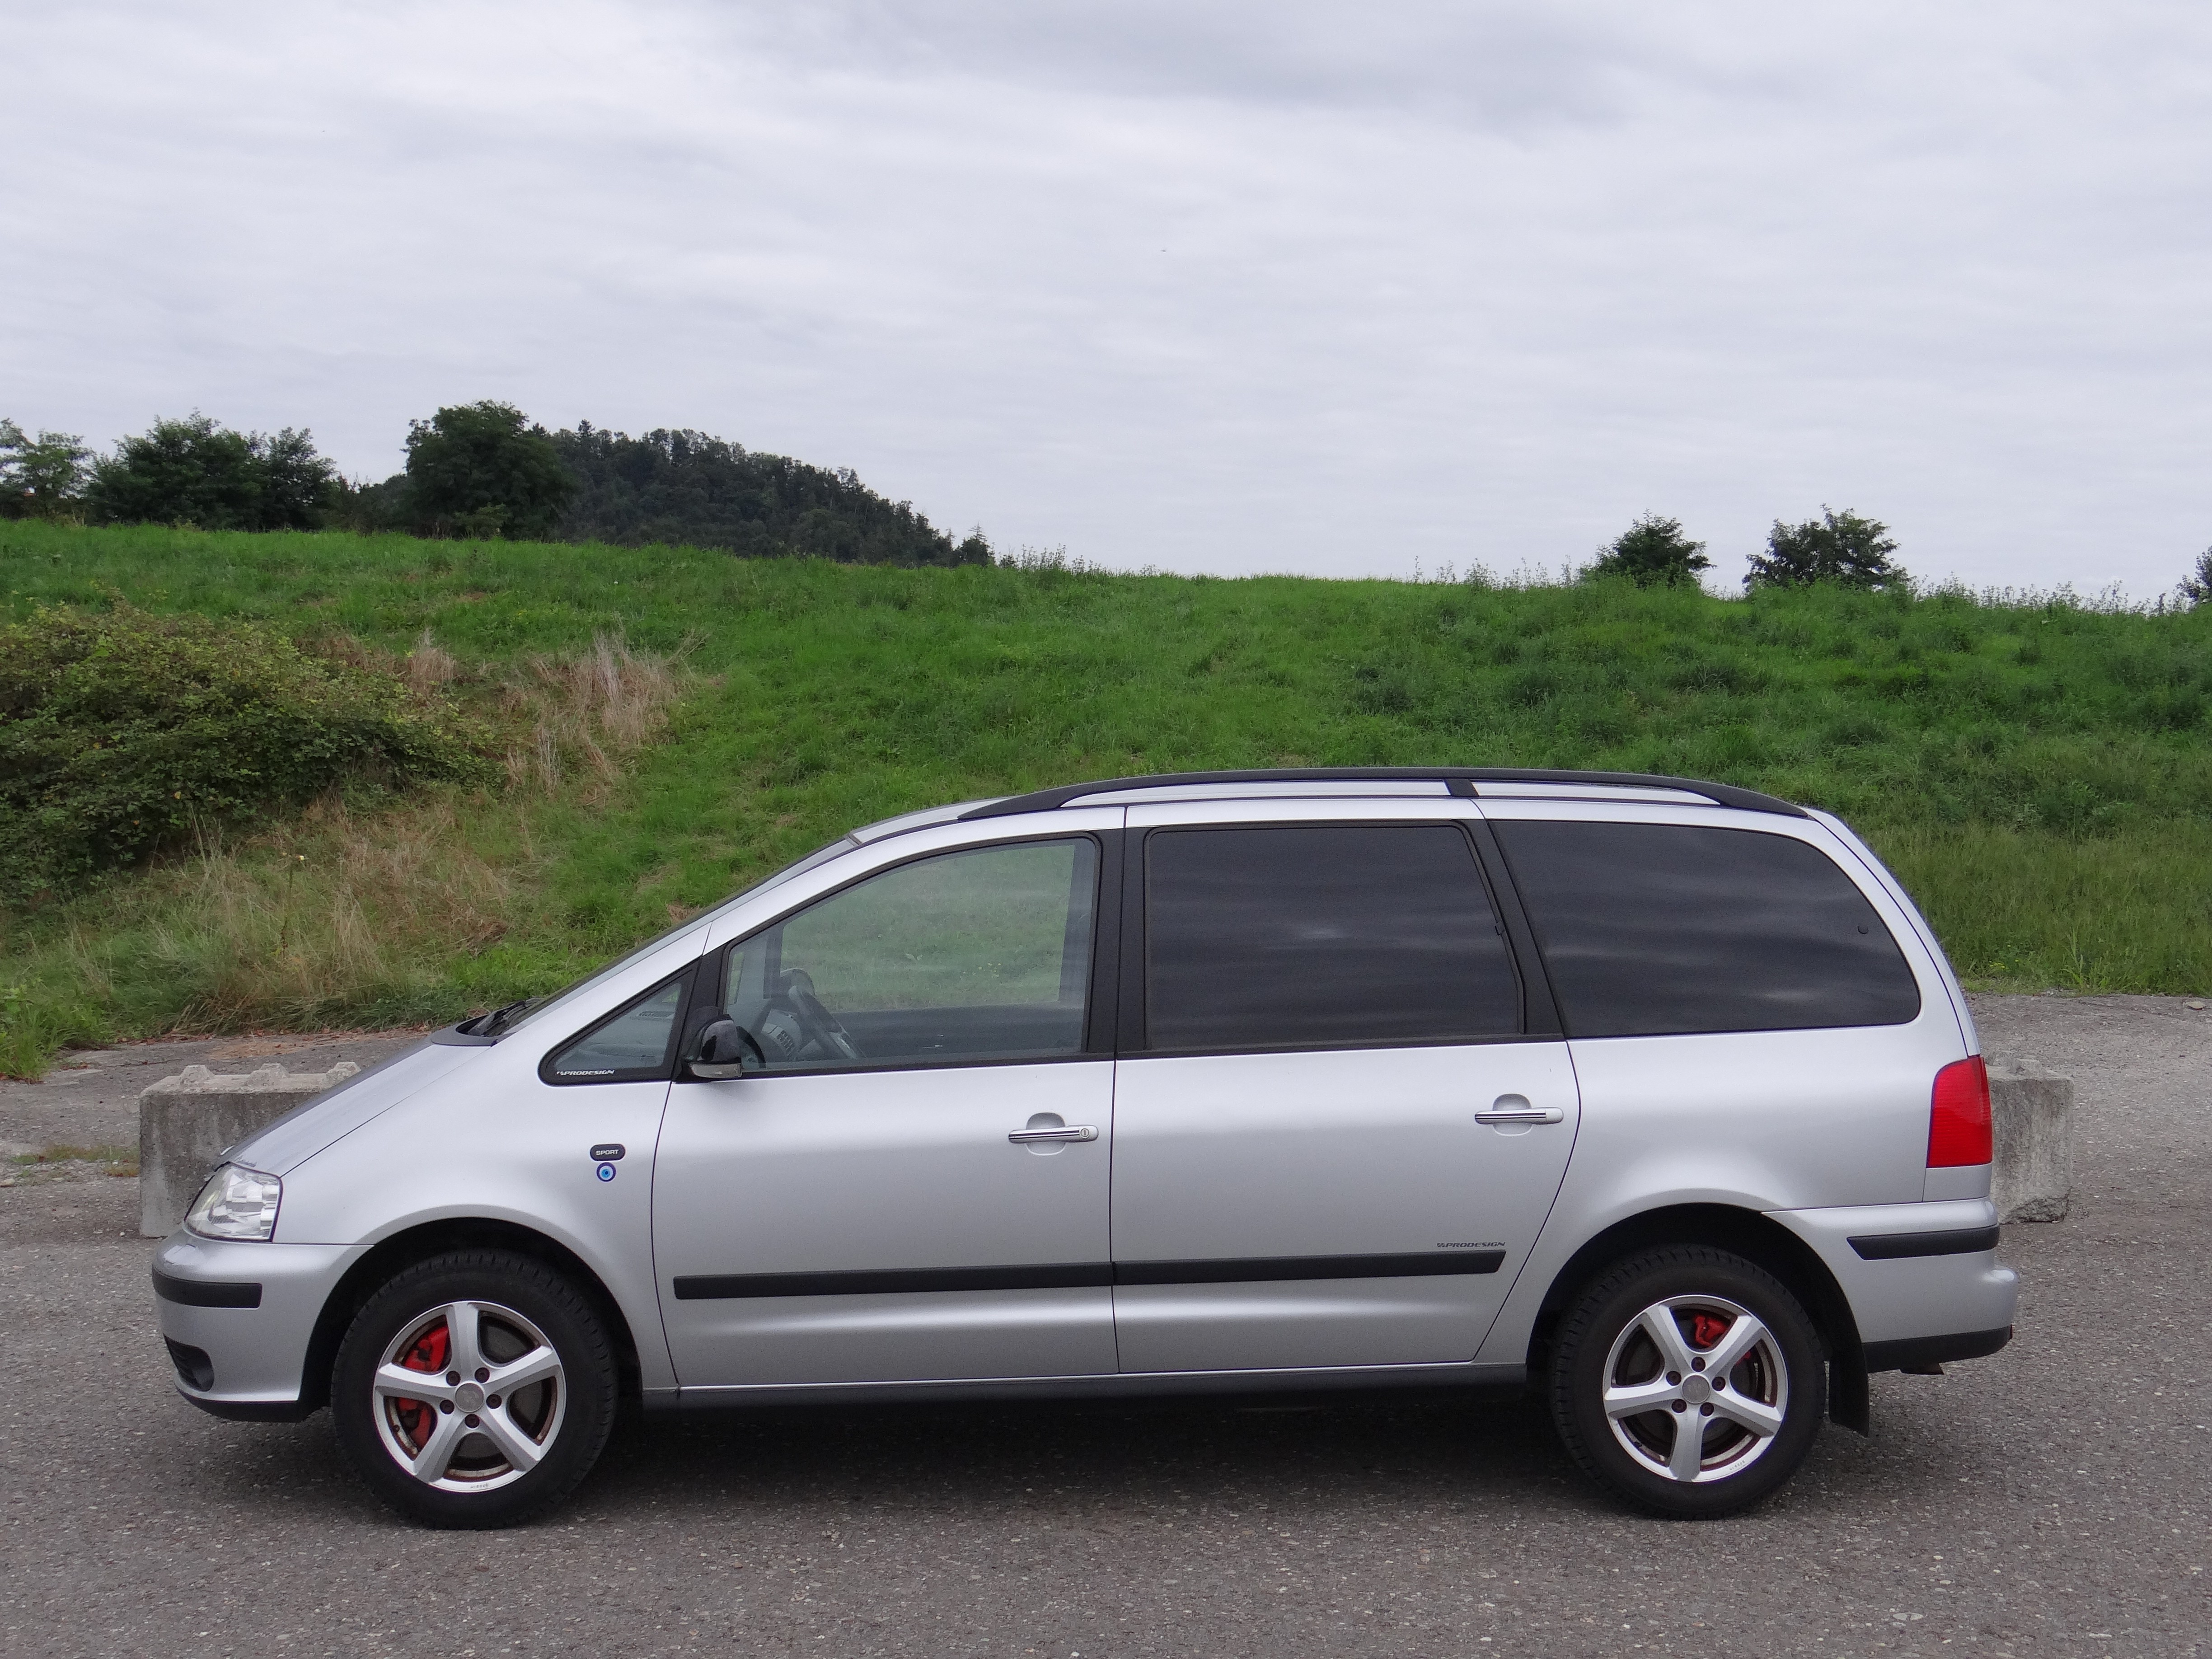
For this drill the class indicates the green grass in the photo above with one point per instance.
(2038, 774)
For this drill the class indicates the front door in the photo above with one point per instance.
(1337, 1144)
(915, 1186)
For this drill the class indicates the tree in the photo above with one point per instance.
(298, 487)
(193, 471)
(372, 509)
(1652, 552)
(975, 548)
(702, 491)
(2196, 586)
(483, 469)
(40, 477)
(1836, 547)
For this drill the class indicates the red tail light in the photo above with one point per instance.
(1959, 1116)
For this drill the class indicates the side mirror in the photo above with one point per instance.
(726, 1049)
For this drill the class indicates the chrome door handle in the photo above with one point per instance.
(1073, 1132)
(1521, 1114)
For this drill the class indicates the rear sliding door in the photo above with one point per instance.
(1303, 1175)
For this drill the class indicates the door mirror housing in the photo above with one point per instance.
(725, 1049)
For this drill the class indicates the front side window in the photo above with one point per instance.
(1327, 935)
(975, 956)
(1652, 929)
(631, 1045)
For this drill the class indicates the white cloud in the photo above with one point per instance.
(1296, 286)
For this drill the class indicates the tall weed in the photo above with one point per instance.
(585, 713)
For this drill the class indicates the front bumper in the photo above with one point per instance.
(239, 1318)
(1922, 1279)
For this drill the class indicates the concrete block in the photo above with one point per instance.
(187, 1122)
(2032, 1112)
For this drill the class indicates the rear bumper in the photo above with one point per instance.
(239, 1319)
(1917, 1352)
(1922, 1279)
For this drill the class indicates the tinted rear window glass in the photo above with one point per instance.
(1335, 935)
(1650, 929)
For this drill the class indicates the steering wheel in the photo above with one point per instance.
(796, 988)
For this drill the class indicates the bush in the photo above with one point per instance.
(195, 472)
(120, 732)
(1651, 552)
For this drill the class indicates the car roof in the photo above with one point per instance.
(1469, 782)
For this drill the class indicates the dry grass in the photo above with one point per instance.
(584, 712)
(285, 928)
(429, 666)
(566, 720)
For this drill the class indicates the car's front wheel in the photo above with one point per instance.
(1688, 1380)
(475, 1389)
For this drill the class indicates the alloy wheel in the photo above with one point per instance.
(1695, 1388)
(469, 1396)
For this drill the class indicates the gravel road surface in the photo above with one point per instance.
(2056, 1499)
(90, 1099)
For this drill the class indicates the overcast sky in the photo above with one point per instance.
(1232, 287)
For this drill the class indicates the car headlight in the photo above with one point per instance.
(236, 1204)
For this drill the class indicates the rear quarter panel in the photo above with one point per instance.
(1760, 1120)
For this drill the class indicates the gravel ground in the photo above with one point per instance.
(90, 1099)
(2052, 1500)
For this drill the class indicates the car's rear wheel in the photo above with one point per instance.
(475, 1389)
(1688, 1381)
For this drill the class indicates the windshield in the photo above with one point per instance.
(706, 918)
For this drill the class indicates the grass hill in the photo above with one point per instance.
(682, 721)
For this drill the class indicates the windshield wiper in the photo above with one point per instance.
(493, 1023)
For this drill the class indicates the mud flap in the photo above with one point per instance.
(1851, 1401)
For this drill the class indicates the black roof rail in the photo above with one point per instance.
(1468, 778)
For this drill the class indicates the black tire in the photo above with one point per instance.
(519, 1306)
(1604, 1329)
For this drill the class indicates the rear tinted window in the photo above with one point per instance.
(1650, 929)
(1320, 934)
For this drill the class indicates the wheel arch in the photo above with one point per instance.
(419, 1243)
(1748, 1233)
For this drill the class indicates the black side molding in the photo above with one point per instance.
(1084, 1275)
(1892, 1247)
(206, 1292)
(1917, 1352)
(718, 1287)
(1274, 1268)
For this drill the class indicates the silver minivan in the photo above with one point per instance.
(1654, 1096)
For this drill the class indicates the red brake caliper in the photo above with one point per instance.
(428, 1354)
(1706, 1329)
